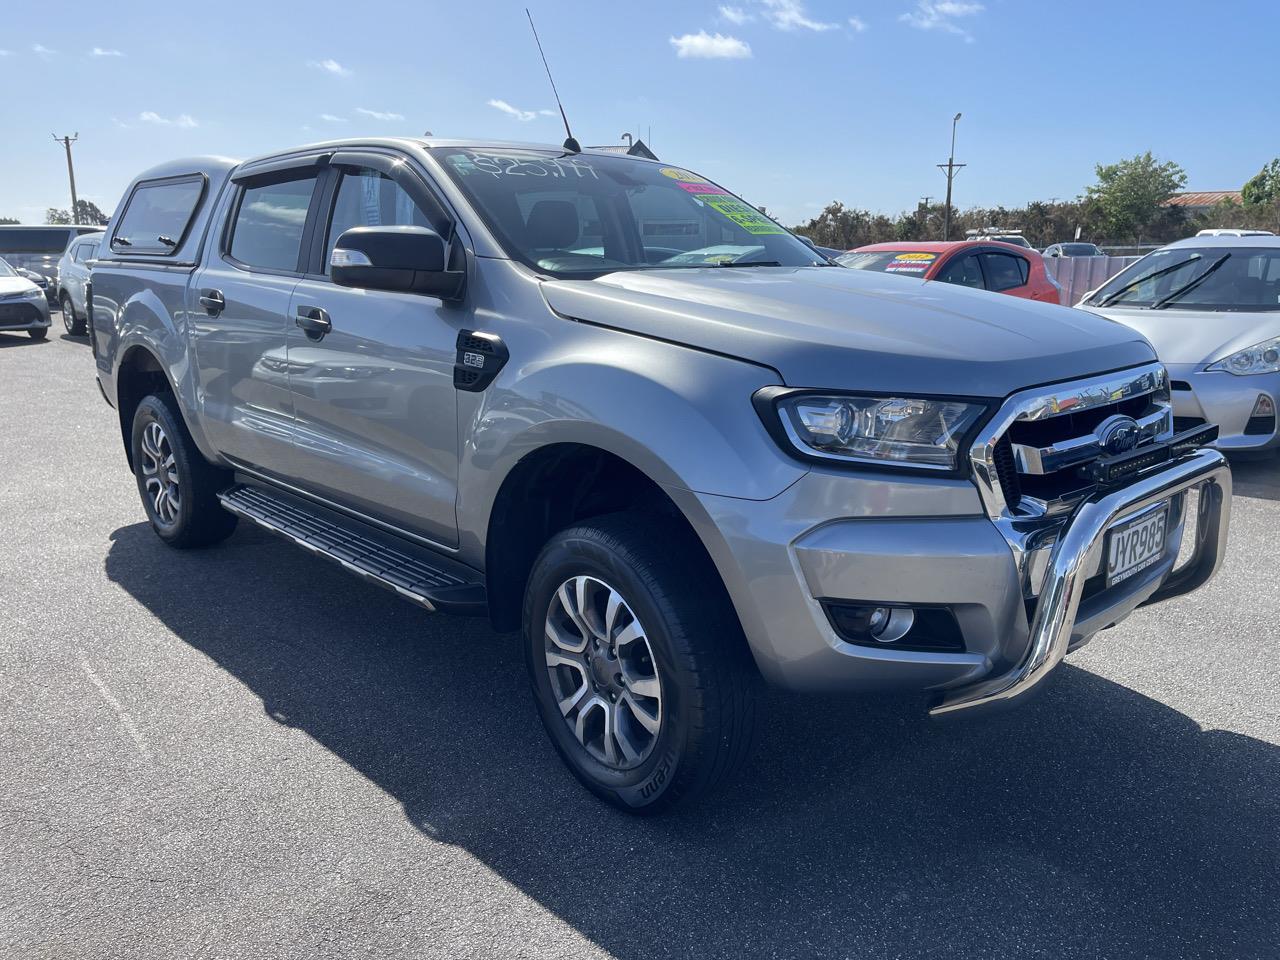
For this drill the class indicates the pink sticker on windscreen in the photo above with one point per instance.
(701, 188)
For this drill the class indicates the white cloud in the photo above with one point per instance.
(120, 123)
(330, 66)
(39, 49)
(791, 15)
(100, 52)
(523, 115)
(380, 114)
(331, 118)
(710, 46)
(942, 15)
(857, 25)
(5, 53)
(735, 15)
(184, 120)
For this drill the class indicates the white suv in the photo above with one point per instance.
(73, 279)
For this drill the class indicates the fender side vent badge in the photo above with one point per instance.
(480, 358)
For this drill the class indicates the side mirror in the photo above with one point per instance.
(404, 259)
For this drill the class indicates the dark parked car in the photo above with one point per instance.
(1073, 250)
(38, 249)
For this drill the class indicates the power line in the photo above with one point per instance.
(71, 170)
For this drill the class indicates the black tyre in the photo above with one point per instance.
(639, 666)
(38, 333)
(178, 486)
(74, 324)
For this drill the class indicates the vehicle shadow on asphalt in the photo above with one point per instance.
(1256, 478)
(17, 338)
(1094, 821)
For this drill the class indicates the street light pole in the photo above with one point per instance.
(950, 168)
(71, 170)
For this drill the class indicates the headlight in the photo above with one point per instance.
(36, 294)
(891, 431)
(1260, 358)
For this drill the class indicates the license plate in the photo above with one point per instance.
(1135, 545)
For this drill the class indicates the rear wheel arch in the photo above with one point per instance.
(139, 374)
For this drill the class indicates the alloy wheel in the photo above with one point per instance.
(68, 317)
(602, 671)
(160, 474)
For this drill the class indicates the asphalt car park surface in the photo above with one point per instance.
(245, 752)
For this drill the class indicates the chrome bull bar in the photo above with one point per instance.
(1078, 551)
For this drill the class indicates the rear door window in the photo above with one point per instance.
(85, 251)
(963, 271)
(157, 216)
(269, 222)
(1005, 270)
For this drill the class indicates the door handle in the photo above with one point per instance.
(314, 321)
(212, 302)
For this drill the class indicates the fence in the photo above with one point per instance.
(1078, 275)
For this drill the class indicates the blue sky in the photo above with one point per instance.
(791, 104)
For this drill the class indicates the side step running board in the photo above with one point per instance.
(415, 572)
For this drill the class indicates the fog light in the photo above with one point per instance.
(890, 624)
(1264, 407)
(902, 628)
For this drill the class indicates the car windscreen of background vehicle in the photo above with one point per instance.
(1248, 280)
(582, 215)
(909, 263)
(6, 270)
(33, 241)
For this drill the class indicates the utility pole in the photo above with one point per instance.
(950, 168)
(71, 170)
(923, 211)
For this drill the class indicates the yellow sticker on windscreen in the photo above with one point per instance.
(910, 263)
(684, 176)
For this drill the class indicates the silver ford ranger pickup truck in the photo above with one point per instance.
(605, 402)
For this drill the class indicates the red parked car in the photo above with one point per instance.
(985, 264)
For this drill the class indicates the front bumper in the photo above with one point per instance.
(1227, 400)
(1078, 551)
(23, 314)
(899, 542)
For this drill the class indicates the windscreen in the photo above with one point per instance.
(28, 240)
(1081, 250)
(6, 270)
(909, 263)
(1220, 279)
(582, 215)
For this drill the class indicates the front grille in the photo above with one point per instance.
(18, 313)
(1041, 457)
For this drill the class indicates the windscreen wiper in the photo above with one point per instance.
(1190, 284)
(1144, 278)
(749, 263)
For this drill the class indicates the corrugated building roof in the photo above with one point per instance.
(1203, 198)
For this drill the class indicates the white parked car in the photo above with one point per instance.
(73, 279)
(22, 304)
(1211, 307)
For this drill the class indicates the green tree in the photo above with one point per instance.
(1263, 189)
(87, 212)
(8, 220)
(1130, 194)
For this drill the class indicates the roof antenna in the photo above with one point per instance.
(570, 144)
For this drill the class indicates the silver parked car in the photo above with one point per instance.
(73, 281)
(1211, 307)
(22, 304)
(605, 402)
